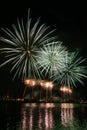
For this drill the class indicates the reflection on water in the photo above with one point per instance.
(27, 116)
(66, 113)
(43, 116)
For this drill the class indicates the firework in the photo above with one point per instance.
(21, 46)
(30, 51)
(73, 72)
(52, 58)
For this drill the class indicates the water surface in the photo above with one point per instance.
(43, 116)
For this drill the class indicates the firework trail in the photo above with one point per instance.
(21, 46)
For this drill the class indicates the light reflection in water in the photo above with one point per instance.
(27, 116)
(45, 116)
(66, 113)
(48, 119)
(41, 116)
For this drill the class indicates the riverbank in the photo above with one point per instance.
(43, 101)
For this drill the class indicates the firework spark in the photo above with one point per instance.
(73, 72)
(21, 46)
(52, 58)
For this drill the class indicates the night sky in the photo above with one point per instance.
(71, 28)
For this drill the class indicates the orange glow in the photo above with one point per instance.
(47, 84)
(61, 89)
(32, 82)
(50, 85)
(42, 82)
(66, 89)
(27, 81)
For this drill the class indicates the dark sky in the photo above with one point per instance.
(70, 22)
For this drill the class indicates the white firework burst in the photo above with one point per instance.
(74, 71)
(21, 46)
(52, 58)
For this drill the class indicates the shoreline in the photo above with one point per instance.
(43, 101)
